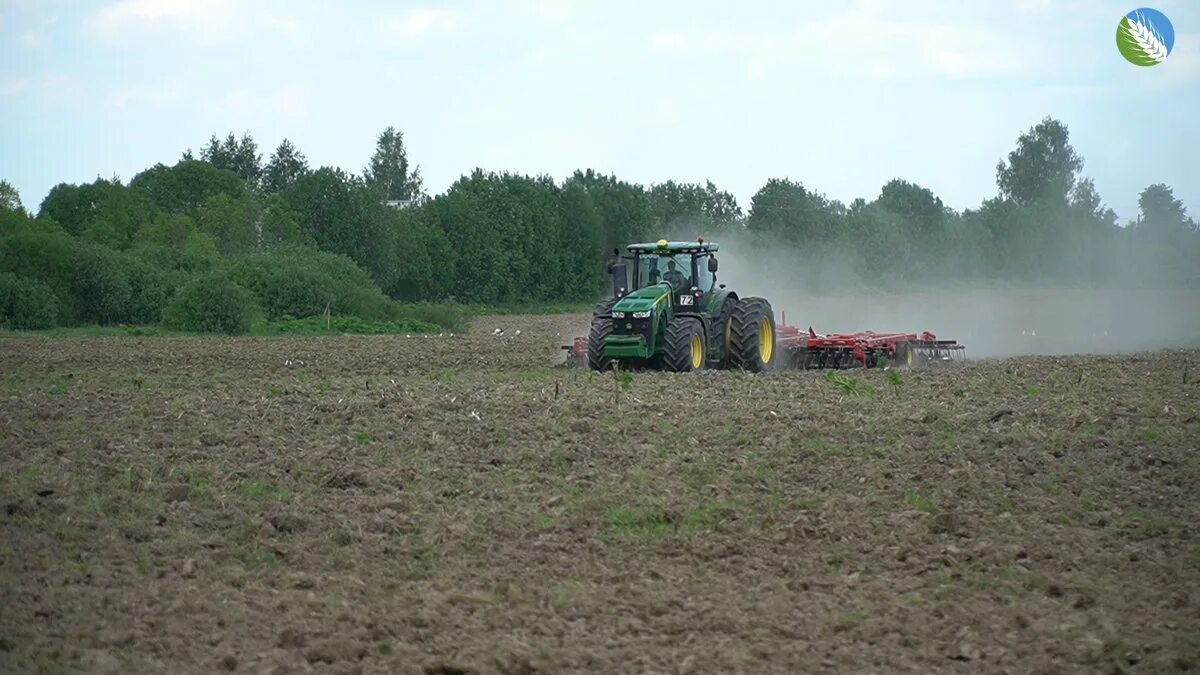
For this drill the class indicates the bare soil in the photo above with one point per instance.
(449, 505)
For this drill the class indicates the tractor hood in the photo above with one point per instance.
(642, 299)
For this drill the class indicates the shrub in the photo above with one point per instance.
(299, 283)
(151, 288)
(99, 285)
(26, 303)
(211, 304)
(40, 251)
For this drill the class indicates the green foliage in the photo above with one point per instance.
(652, 522)
(264, 491)
(211, 303)
(1043, 167)
(153, 281)
(185, 187)
(685, 210)
(106, 212)
(343, 216)
(26, 303)
(792, 213)
(849, 385)
(10, 199)
(286, 165)
(231, 222)
(310, 243)
(237, 156)
(893, 378)
(919, 502)
(388, 171)
(100, 288)
(298, 282)
(623, 378)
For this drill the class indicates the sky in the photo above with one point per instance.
(841, 96)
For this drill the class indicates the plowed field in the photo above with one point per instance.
(461, 504)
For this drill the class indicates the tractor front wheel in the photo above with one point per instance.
(602, 327)
(684, 346)
(752, 335)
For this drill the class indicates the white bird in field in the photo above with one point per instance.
(518, 332)
(498, 331)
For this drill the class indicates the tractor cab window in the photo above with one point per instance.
(704, 278)
(674, 269)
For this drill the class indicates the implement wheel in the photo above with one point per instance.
(752, 335)
(602, 327)
(684, 346)
(909, 356)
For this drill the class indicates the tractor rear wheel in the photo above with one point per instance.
(684, 346)
(752, 335)
(602, 327)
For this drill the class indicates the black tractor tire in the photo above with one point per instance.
(750, 318)
(684, 336)
(720, 326)
(601, 328)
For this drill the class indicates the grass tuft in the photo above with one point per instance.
(919, 502)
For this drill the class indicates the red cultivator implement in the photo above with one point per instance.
(807, 349)
(811, 350)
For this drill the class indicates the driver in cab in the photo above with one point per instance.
(674, 277)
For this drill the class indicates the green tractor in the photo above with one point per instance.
(668, 312)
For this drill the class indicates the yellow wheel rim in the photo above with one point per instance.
(697, 352)
(766, 339)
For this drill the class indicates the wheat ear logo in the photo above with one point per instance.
(1145, 37)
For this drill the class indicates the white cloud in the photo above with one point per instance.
(59, 87)
(203, 21)
(247, 108)
(1184, 61)
(868, 39)
(546, 10)
(144, 96)
(692, 41)
(1031, 6)
(419, 22)
(11, 86)
(126, 18)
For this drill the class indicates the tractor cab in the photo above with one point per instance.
(684, 271)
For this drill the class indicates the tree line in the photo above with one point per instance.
(223, 237)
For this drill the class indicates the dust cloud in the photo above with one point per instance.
(825, 292)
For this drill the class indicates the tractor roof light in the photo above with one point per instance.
(662, 243)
